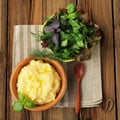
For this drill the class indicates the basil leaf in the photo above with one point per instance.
(29, 104)
(25, 101)
(20, 97)
(17, 106)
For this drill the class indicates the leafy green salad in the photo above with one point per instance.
(68, 35)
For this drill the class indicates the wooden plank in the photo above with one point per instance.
(35, 115)
(100, 12)
(36, 12)
(18, 13)
(49, 8)
(116, 6)
(3, 52)
(53, 114)
(36, 18)
(60, 114)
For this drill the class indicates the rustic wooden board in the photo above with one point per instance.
(116, 6)
(100, 12)
(3, 53)
(31, 12)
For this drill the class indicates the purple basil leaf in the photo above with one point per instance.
(55, 24)
(48, 29)
(55, 39)
(58, 30)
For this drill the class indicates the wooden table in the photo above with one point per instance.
(106, 13)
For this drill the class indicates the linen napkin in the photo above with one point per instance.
(91, 87)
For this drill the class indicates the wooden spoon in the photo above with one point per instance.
(79, 73)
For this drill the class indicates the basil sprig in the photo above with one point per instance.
(23, 101)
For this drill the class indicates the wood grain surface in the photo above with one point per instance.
(100, 12)
(3, 59)
(116, 12)
(18, 13)
(106, 13)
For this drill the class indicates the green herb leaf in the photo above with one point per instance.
(80, 43)
(29, 104)
(25, 101)
(71, 8)
(47, 36)
(72, 15)
(64, 43)
(18, 106)
(20, 97)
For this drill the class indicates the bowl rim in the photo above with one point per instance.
(59, 68)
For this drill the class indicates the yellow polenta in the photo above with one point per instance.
(39, 82)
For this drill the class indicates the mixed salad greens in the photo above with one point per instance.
(69, 35)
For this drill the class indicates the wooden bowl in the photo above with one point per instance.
(59, 68)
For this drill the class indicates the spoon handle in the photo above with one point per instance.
(78, 99)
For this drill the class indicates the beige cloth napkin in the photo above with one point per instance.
(91, 87)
